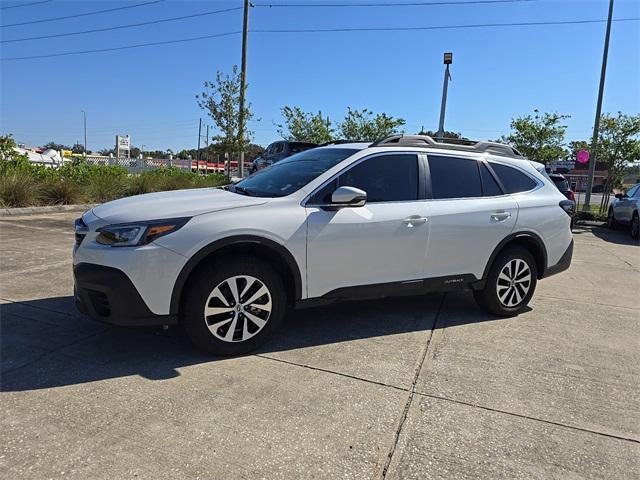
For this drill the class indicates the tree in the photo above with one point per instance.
(221, 100)
(55, 146)
(540, 137)
(447, 134)
(575, 146)
(618, 147)
(77, 148)
(364, 125)
(304, 126)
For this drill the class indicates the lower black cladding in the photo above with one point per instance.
(108, 295)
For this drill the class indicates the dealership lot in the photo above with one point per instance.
(414, 387)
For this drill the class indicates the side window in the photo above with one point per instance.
(453, 177)
(513, 180)
(385, 178)
(278, 147)
(490, 187)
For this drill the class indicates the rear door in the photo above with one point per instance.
(469, 214)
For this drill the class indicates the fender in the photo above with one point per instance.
(193, 262)
(518, 235)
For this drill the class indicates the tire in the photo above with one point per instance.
(502, 297)
(611, 220)
(255, 319)
(635, 226)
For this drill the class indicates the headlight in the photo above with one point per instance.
(139, 233)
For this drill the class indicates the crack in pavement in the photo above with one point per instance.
(535, 419)
(412, 391)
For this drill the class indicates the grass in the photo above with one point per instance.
(23, 184)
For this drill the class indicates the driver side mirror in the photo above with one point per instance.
(348, 197)
(620, 196)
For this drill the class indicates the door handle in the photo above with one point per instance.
(500, 216)
(414, 220)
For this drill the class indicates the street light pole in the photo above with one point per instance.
(596, 125)
(243, 85)
(84, 115)
(448, 60)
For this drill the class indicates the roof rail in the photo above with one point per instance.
(340, 142)
(494, 148)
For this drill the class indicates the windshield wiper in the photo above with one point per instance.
(243, 191)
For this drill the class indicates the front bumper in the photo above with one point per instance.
(108, 295)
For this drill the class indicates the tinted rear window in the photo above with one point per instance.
(453, 177)
(514, 181)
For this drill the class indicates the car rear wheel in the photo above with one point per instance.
(233, 307)
(611, 219)
(635, 226)
(510, 283)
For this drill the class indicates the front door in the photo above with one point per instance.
(383, 242)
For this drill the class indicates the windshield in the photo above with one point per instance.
(291, 174)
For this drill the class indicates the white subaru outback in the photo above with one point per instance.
(403, 216)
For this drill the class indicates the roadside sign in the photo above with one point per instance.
(582, 156)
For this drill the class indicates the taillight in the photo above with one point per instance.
(568, 206)
(571, 196)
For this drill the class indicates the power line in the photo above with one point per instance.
(25, 4)
(327, 30)
(441, 27)
(130, 25)
(125, 47)
(386, 4)
(96, 12)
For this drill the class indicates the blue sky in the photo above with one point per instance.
(498, 73)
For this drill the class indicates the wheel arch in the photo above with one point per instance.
(261, 247)
(528, 240)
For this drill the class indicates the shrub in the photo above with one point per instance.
(17, 188)
(140, 184)
(212, 180)
(60, 191)
(106, 183)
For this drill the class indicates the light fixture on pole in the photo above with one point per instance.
(448, 60)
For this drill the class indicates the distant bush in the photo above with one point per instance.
(23, 183)
(18, 188)
(106, 182)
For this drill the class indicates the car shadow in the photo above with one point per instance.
(45, 343)
(620, 235)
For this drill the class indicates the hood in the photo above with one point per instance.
(172, 204)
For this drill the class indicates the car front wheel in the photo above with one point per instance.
(510, 283)
(233, 306)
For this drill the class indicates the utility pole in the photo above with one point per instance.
(84, 115)
(243, 85)
(206, 142)
(596, 125)
(448, 60)
(199, 136)
(142, 150)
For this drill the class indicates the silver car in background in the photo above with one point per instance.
(624, 210)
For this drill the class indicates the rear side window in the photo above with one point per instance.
(513, 180)
(490, 187)
(453, 177)
(385, 178)
(561, 183)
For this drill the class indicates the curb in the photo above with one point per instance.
(14, 212)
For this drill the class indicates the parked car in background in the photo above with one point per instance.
(624, 210)
(277, 151)
(563, 185)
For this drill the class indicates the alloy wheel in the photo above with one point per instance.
(514, 282)
(237, 308)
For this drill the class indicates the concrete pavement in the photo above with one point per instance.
(420, 387)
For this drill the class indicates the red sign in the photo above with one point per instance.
(582, 156)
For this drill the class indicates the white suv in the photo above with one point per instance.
(405, 215)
